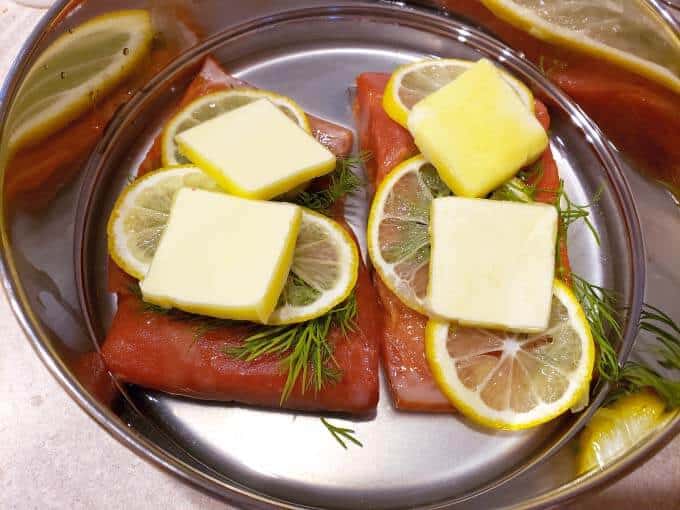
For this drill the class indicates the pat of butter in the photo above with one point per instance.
(223, 256)
(492, 263)
(255, 151)
(476, 131)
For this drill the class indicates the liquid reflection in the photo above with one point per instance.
(60, 113)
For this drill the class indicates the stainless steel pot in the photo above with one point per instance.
(48, 260)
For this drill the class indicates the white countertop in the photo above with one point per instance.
(52, 455)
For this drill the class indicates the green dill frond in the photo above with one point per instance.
(201, 323)
(570, 212)
(599, 306)
(636, 376)
(667, 334)
(518, 188)
(308, 351)
(298, 292)
(515, 190)
(344, 180)
(534, 173)
(434, 182)
(341, 434)
(148, 307)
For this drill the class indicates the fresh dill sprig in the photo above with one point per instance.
(298, 292)
(309, 355)
(667, 334)
(341, 434)
(201, 323)
(343, 181)
(519, 189)
(636, 376)
(599, 305)
(515, 190)
(570, 212)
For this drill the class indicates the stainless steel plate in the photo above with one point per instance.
(313, 55)
(408, 458)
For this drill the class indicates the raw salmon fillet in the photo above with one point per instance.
(403, 340)
(160, 352)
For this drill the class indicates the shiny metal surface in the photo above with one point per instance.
(313, 55)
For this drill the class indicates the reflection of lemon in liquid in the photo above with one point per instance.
(77, 68)
(629, 33)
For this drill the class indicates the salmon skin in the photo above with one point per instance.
(164, 353)
(411, 383)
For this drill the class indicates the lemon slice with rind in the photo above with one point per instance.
(398, 229)
(77, 68)
(618, 427)
(412, 82)
(629, 33)
(209, 106)
(141, 212)
(511, 381)
(323, 273)
(325, 262)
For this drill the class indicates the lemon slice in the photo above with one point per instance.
(398, 229)
(77, 68)
(510, 381)
(323, 273)
(325, 261)
(412, 82)
(629, 33)
(615, 429)
(141, 212)
(210, 106)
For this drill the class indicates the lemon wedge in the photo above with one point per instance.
(618, 427)
(77, 68)
(398, 229)
(412, 82)
(629, 33)
(510, 381)
(325, 258)
(212, 105)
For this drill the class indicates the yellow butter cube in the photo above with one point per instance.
(223, 256)
(476, 131)
(255, 151)
(492, 263)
